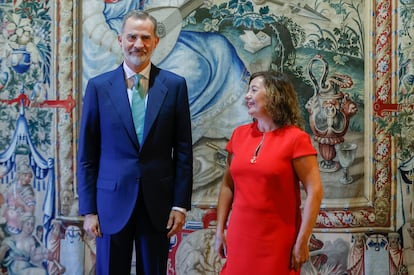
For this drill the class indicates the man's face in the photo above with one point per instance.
(138, 41)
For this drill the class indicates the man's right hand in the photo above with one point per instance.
(91, 225)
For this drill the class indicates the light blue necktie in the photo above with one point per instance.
(138, 107)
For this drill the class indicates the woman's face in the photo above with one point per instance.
(256, 98)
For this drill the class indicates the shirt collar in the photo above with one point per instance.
(130, 73)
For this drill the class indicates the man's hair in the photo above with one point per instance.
(142, 15)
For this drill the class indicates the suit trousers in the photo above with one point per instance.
(114, 252)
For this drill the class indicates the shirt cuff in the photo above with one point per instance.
(179, 209)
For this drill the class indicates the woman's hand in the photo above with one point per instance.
(220, 244)
(300, 254)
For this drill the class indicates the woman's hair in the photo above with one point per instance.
(282, 102)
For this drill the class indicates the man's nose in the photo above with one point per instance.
(138, 43)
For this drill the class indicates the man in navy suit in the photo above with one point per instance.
(133, 191)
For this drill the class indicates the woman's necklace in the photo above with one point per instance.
(256, 152)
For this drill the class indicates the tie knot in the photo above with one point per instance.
(137, 78)
(137, 85)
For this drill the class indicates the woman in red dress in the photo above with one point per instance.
(268, 159)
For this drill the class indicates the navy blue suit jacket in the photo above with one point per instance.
(111, 162)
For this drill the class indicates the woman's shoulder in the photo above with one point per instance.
(294, 130)
(295, 134)
(245, 127)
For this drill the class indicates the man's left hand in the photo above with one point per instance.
(175, 222)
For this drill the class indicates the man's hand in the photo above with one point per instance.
(91, 225)
(175, 222)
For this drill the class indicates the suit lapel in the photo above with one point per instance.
(117, 91)
(156, 95)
